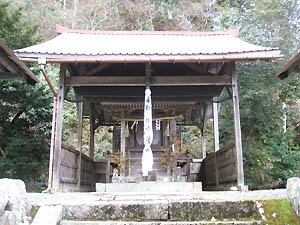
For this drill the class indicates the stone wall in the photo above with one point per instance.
(293, 193)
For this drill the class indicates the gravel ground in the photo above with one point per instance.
(78, 198)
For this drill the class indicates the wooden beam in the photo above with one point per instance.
(59, 124)
(237, 128)
(140, 80)
(229, 91)
(79, 143)
(168, 91)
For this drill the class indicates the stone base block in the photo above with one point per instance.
(150, 186)
(151, 210)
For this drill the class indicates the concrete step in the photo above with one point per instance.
(74, 222)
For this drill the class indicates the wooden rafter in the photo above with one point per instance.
(198, 69)
(97, 69)
(7, 64)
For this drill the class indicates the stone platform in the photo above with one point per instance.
(150, 186)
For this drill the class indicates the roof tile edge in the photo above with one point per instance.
(61, 29)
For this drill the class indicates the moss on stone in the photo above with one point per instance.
(279, 212)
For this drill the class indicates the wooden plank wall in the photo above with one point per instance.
(101, 171)
(226, 166)
(68, 170)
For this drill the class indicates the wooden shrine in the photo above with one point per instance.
(109, 71)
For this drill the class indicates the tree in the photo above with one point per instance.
(270, 154)
(25, 111)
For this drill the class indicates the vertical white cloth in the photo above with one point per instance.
(147, 158)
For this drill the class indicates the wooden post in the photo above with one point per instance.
(79, 142)
(216, 126)
(59, 124)
(92, 132)
(203, 143)
(188, 169)
(237, 128)
(92, 141)
(122, 150)
(216, 134)
(108, 172)
(50, 176)
(216, 168)
(173, 136)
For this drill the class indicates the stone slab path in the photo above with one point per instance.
(40, 199)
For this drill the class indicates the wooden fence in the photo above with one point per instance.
(69, 171)
(220, 167)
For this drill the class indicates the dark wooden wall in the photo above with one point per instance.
(69, 167)
(219, 168)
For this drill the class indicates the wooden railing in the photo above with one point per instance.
(69, 170)
(220, 167)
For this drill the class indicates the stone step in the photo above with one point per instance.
(74, 222)
(163, 210)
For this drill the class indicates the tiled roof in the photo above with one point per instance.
(130, 45)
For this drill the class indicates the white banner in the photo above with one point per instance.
(147, 158)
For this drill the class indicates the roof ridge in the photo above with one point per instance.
(61, 29)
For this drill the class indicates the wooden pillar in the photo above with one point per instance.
(216, 137)
(122, 149)
(188, 170)
(203, 144)
(237, 128)
(203, 138)
(216, 126)
(50, 174)
(92, 132)
(59, 124)
(173, 136)
(79, 142)
(108, 172)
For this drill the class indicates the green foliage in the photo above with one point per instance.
(25, 123)
(14, 31)
(25, 111)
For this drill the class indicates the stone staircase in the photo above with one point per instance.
(136, 162)
(162, 211)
